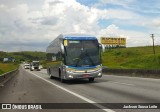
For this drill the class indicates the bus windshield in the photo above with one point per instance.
(82, 53)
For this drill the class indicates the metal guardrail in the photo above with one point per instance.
(4, 77)
(133, 72)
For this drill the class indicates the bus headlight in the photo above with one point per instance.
(99, 74)
(70, 76)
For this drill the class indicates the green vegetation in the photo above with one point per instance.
(19, 57)
(24, 56)
(133, 58)
(127, 58)
(28, 55)
(6, 67)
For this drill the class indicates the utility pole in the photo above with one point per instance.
(152, 35)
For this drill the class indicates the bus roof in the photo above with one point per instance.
(53, 45)
(79, 37)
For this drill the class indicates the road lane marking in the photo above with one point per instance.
(140, 78)
(75, 94)
(128, 84)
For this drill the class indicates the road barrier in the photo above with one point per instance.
(133, 72)
(6, 76)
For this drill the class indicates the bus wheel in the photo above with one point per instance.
(91, 79)
(63, 80)
(50, 76)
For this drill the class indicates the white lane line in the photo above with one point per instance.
(123, 83)
(75, 94)
(140, 78)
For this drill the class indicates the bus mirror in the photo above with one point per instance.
(103, 47)
(62, 48)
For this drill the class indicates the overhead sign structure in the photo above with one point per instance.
(113, 41)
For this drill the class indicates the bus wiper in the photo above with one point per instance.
(90, 58)
(79, 58)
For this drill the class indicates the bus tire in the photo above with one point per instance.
(91, 79)
(50, 76)
(63, 80)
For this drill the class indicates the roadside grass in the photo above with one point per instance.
(125, 58)
(27, 55)
(132, 58)
(6, 67)
(146, 62)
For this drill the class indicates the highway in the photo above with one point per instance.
(36, 87)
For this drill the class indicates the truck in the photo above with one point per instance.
(34, 65)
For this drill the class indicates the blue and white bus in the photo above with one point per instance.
(74, 56)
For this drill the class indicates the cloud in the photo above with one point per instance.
(123, 3)
(133, 37)
(35, 29)
(16, 28)
(156, 22)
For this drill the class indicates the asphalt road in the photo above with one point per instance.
(36, 87)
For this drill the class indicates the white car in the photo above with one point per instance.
(27, 66)
(40, 67)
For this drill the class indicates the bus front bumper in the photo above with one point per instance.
(82, 75)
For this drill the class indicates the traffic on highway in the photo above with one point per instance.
(76, 56)
(79, 55)
(66, 83)
(109, 93)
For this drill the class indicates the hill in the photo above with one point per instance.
(24, 55)
(133, 57)
(19, 56)
(127, 58)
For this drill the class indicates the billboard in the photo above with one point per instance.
(113, 41)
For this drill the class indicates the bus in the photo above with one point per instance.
(74, 56)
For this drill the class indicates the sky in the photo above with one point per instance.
(30, 25)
